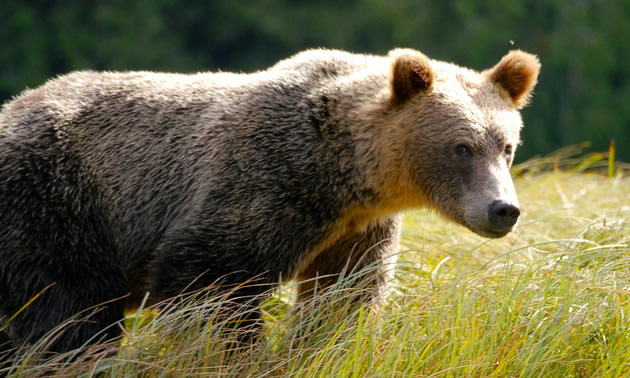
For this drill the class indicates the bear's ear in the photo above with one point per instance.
(517, 73)
(411, 74)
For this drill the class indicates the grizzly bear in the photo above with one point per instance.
(113, 185)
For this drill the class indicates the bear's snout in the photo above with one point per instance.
(502, 216)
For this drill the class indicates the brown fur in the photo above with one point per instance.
(517, 73)
(149, 182)
(411, 74)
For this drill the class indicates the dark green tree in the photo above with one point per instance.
(583, 91)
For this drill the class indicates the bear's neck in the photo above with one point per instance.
(378, 139)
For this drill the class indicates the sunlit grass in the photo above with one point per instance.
(550, 299)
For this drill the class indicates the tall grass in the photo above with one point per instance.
(550, 299)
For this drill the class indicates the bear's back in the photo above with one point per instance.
(157, 144)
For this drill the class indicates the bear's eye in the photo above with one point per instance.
(463, 149)
(508, 149)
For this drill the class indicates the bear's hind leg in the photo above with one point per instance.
(87, 289)
(58, 256)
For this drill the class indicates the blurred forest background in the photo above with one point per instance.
(583, 92)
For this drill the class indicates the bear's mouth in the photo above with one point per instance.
(490, 232)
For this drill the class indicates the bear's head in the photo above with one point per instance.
(460, 129)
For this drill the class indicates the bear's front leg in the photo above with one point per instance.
(370, 253)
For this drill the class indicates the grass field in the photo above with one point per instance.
(549, 300)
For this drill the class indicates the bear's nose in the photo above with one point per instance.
(502, 215)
